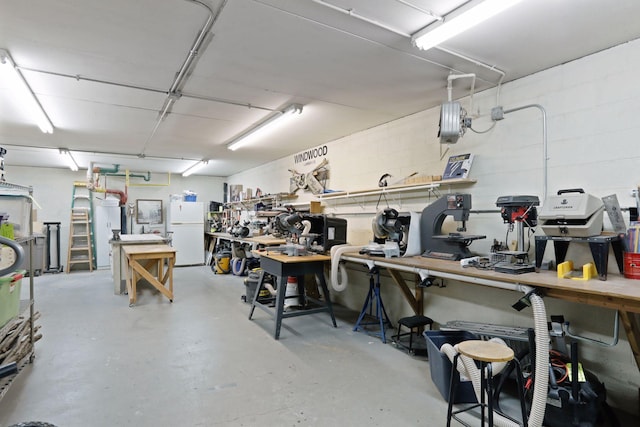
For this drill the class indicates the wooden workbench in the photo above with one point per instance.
(142, 260)
(617, 292)
(119, 260)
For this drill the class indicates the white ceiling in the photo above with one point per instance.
(348, 70)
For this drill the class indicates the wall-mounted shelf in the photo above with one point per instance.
(275, 199)
(359, 196)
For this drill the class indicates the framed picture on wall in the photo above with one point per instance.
(148, 211)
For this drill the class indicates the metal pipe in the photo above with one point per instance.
(178, 82)
(544, 143)
(616, 330)
(146, 177)
(350, 12)
(104, 171)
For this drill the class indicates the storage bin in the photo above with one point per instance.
(39, 242)
(190, 197)
(440, 365)
(10, 296)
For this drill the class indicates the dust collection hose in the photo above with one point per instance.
(339, 284)
(238, 266)
(17, 248)
(467, 367)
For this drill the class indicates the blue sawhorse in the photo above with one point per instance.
(373, 305)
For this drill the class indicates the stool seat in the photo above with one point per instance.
(485, 351)
(411, 323)
(415, 321)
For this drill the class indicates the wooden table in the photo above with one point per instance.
(119, 264)
(141, 260)
(282, 266)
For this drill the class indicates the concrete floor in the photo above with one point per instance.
(200, 362)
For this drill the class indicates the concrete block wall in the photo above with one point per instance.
(591, 106)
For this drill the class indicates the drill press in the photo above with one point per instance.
(521, 211)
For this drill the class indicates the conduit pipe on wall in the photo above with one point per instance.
(453, 77)
(541, 381)
(545, 156)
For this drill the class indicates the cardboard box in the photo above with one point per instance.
(315, 207)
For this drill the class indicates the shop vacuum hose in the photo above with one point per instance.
(17, 248)
(466, 366)
(339, 284)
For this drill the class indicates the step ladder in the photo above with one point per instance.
(81, 248)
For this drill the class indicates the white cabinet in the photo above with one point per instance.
(106, 218)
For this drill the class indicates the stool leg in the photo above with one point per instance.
(453, 385)
(411, 339)
(483, 389)
(489, 385)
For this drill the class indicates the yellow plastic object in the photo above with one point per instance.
(565, 271)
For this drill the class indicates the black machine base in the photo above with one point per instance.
(511, 268)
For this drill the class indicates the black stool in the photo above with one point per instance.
(411, 323)
(486, 353)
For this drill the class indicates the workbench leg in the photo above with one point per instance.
(632, 328)
(618, 252)
(280, 294)
(541, 245)
(327, 296)
(561, 249)
(257, 293)
(600, 254)
(170, 273)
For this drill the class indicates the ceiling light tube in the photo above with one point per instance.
(28, 98)
(435, 34)
(194, 168)
(68, 158)
(266, 126)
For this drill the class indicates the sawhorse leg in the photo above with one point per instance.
(380, 312)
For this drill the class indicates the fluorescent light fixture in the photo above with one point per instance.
(435, 34)
(266, 126)
(196, 167)
(68, 158)
(28, 98)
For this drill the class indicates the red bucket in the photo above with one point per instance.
(632, 265)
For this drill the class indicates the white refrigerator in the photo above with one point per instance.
(185, 220)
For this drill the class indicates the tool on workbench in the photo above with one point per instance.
(394, 234)
(452, 246)
(572, 213)
(520, 211)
